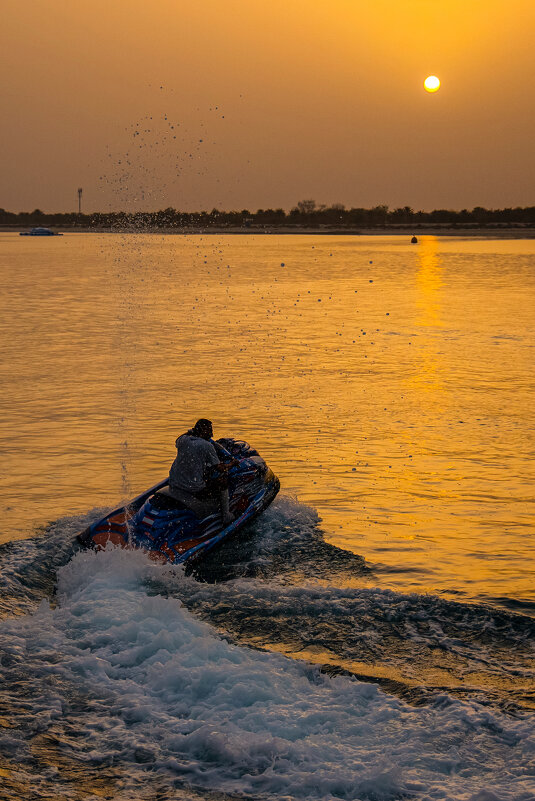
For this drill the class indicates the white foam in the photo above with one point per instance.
(161, 688)
(27, 567)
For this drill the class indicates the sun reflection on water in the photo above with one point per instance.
(429, 281)
(430, 374)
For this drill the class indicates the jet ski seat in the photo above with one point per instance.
(164, 501)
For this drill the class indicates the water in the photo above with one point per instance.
(371, 636)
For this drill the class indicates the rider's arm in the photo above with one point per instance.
(225, 458)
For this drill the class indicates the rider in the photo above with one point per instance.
(197, 477)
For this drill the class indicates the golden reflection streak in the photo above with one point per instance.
(427, 381)
(429, 282)
(429, 377)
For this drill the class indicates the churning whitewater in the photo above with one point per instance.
(133, 675)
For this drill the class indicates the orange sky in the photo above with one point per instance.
(321, 100)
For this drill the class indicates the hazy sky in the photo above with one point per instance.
(267, 103)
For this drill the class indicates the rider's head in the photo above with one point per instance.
(203, 428)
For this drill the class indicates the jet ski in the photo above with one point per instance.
(170, 532)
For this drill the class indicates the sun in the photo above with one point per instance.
(432, 83)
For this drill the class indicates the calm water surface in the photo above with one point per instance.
(389, 385)
(371, 636)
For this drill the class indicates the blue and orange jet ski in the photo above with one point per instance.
(170, 532)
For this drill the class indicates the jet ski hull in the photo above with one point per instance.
(168, 531)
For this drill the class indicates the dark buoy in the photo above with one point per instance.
(414, 240)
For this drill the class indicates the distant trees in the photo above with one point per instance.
(404, 215)
(378, 215)
(306, 213)
(306, 206)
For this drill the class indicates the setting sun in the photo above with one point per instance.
(432, 83)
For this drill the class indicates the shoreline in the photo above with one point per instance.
(432, 230)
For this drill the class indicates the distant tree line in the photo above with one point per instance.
(305, 214)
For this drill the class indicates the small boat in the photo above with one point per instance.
(40, 232)
(168, 531)
(414, 240)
